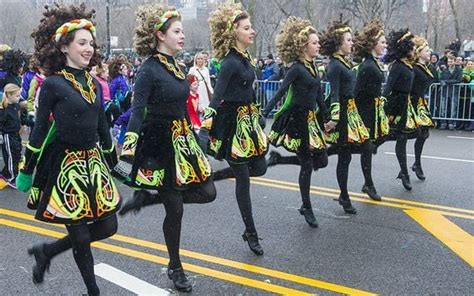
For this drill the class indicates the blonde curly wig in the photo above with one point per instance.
(420, 43)
(3, 49)
(367, 39)
(221, 27)
(292, 39)
(145, 40)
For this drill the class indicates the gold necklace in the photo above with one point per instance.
(423, 66)
(173, 68)
(90, 95)
(246, 55)
(342, 60)
(407, 63)
(308, 65)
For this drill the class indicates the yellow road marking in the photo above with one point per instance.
(160, 260)
(459, 241)
(295, 187)
(217, 260)
(363, 195)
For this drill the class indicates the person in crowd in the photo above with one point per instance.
(10, 128)
(370, 45)
(72, 184)
(119, 86)
(296, 126)
(161, 157)
(33, 93)
(345, 129)
(214, 68)
(421, 82)
(188, 62)
(232, 117)
(193, 102)
(450, 77)
(12, 64)
(270, 75)
(399, 109)
(205, 89)
(259, 66)
(281, 68)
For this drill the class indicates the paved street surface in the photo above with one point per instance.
(411, 243)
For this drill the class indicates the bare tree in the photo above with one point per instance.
(366, 10)
(452, 4)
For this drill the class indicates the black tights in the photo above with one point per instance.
(419, 143)
(79, 238)
(366, 162)
(401, 152)
(242, 173)
(344, 157)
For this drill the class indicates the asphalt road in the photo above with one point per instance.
(411, 243)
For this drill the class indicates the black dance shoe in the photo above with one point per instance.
(274, 158)
(405, 180)
(180, 280)
(418, 172)
(42, 262)
(309, 216)
(136, 202)
(371, 192)
(347, 205)
(252, 239)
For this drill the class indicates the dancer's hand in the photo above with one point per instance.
(328, 126)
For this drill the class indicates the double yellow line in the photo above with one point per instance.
(230, 277)
(387, 201)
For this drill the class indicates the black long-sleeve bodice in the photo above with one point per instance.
(78, 122)
(421, 81)
(369, 80)
(157, 93)
(400, 79)
(342, 81)
(234, 81)
(306, 88)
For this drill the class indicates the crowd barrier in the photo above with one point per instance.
(447, 102)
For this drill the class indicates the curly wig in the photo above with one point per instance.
(47, 51)
(400, 44)
(420, 44)
(13, 61)
(367, 39)
(3, 49)
(148, 16)
(221, 24)
(292, 39)
(331, 39)
(116, 64)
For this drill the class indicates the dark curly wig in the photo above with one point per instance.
(47, 52)
(400, 44)
(13, 61)
(367, 39)
(331, 38)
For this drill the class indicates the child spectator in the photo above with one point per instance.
(10, 125)
(193, 102)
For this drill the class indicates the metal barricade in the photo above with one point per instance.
(451, 103)
(265, 91)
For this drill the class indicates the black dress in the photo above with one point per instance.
(72, 183)
(159, 135)
(368, 98)
(236, 134)
(399, 109)
(296, 126)
(422, 80)
(350, 129)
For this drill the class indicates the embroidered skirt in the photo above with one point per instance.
(168, 155)
(350, 130)
(297, 129)
(72, 185)
(374, 118)
(236, 134)
(423, 113)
